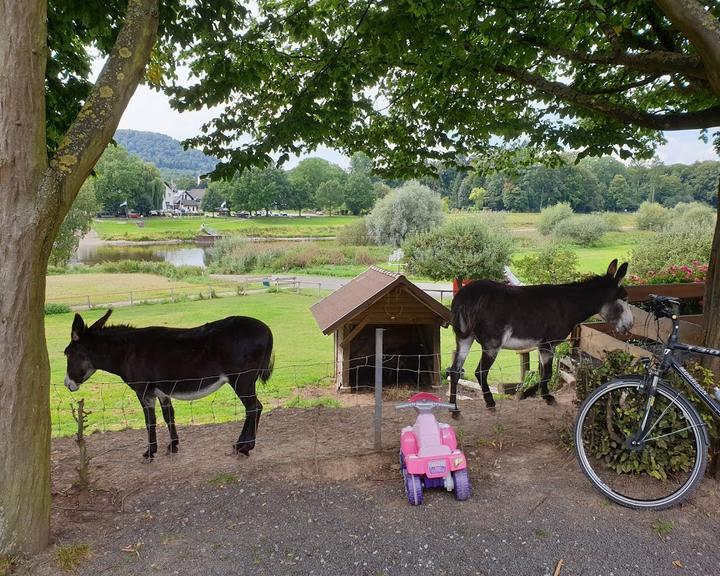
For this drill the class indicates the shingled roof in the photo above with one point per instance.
(362, 292)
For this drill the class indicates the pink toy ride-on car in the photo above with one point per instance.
(429, 456)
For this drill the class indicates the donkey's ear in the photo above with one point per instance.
(78, 328)
(621, 273)
(101, 322)
(612, 268)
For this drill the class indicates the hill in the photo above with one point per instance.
(165, 152)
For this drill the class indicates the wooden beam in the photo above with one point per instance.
(597, 344)
(355, 331)
(683, 291)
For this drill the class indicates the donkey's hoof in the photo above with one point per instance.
(148, 457)
(244, 448)
(456, 414)
(550, 399)
(491, 408)
(527, 394)
(172, 448)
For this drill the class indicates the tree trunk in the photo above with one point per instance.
(711, 301)
(35, 196)
(24, 367)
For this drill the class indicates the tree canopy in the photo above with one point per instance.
(415, 80)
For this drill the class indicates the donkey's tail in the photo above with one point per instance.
(459, 322)
(268, 361)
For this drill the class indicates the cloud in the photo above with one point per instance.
(685, 147)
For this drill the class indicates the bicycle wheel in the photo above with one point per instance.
(670, 461)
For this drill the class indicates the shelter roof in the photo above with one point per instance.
(361, 292)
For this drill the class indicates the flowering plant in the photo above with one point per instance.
(686, 273)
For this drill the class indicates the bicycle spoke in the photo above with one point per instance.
(673, 432)
(660, 417)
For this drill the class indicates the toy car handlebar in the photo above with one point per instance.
(425, 405)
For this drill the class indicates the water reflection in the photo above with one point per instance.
(177, 254)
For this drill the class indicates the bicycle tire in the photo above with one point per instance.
(698, 431)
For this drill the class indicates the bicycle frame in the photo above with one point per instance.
(669, 362)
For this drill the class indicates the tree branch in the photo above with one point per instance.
(95, 124)
(702, 29)
(707, 118)
(655, 61)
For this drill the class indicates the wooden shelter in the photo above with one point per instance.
(411, 318)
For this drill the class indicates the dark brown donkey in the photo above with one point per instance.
(184, 363)
(518, 317)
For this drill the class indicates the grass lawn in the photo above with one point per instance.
(76, 289)
(186, 228)
(303, 357)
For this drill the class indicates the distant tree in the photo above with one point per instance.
(468, 248)
(185, 182)
(477, 196)
(214, 197)
(122, 177)
(259, 189)
(361, 163)
(618, 194)
(407, 210)
(330, 195)
(77, 223)
(380, 189)
(358, 193)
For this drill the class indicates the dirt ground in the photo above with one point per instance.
(315, 498)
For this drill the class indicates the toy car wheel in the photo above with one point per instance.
(402, 461)
(413, 489)
(462, 484)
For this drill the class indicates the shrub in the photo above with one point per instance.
(652, 216)
(612, 221)
(693, 272)
(553, 264)
(355, 234)
(656, 460)
(405, 211)
(675, 246)
(582, 230)
(470, 248)
(551, 216)
(55, 308)
(687, 214)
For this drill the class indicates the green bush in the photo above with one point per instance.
(551, 216)
(693, 214)
(355, 234)
(612, 221)
(469, 248)
(652, 216)
(55, 308)
(675, 454)
(132, 267)
(553, 264)
(675, 246)
(582, 230)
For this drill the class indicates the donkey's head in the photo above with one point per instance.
(79, 352)
(615, 308)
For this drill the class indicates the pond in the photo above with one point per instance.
(184, 254)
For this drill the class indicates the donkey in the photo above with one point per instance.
(184, 363)
(518, 317)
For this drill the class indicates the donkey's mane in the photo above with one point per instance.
(112, 329)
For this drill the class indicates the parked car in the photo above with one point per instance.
(242, 214)
(134, 215)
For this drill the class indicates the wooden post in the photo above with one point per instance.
(378, 386)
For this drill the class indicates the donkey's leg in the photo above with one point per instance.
(147, 400)
(546, 352)
(169, 415)
(486, 361)
(244, 387)
(462, 349)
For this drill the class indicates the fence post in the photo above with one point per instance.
(131, 299)
(89, 304)
(378, 386)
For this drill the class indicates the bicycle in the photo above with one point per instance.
(634, 423)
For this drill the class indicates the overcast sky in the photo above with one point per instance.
(150, 111)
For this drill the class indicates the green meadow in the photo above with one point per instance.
(303, 357)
